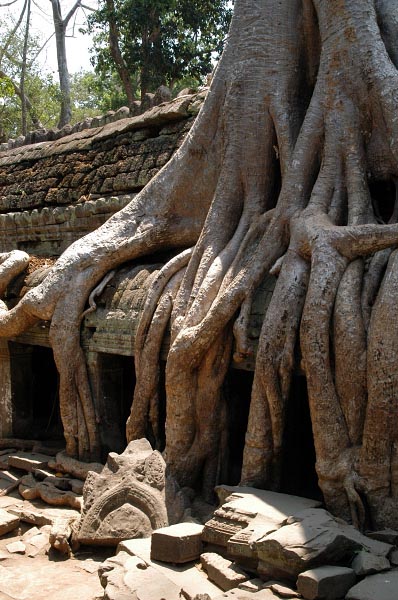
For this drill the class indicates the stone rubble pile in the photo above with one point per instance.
(47, 497)
(258, 545)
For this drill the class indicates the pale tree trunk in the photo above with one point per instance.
(23, 71)
(60, 25)
(305, 92)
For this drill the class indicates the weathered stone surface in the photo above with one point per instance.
(130, 498)
(237, 594)
(376, 587)
(282, 591)
(28, 461)
(189, 578)
(30, 489)
(8, 522)
(16, 548)
(178, 543)
(65, 170)
(389, 536)
(366, 563)
(309, 540)
(37, 544)
(76, 468)
(393, 558)
(124, 577)
(37, 513)
(252, 585)
(325, 583)
(223, 572)
(247, 514)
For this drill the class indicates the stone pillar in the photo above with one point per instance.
(5, 391)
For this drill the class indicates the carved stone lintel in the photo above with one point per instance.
(130, 498)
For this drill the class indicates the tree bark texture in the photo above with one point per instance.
(275, 176)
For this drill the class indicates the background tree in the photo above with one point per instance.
(60, 27)
(39, 94)
(161, 41)
(292, 157)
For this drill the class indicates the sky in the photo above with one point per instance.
(77, 45)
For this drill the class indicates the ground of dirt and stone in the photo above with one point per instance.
(257, 545)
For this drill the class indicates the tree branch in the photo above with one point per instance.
(71, 13)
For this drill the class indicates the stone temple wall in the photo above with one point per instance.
(54, 192)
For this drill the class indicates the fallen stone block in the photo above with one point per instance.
(41, 474)
(16, 548)
(366, 563)
(37, 513)
(30, 489)
(8, 522)
(30, 533)
(389, 536)
(376, 587)
(223, 572)
(325, 583)
(252, 585)
(237, 594)
(65, 464)
(124, 577)
(9, 501)
(247, 513)
(28, 461)
(37, 544)
(282, 591)
(311, 539)
(178, 543)
(188, 577)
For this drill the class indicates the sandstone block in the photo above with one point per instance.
(28, 461)
(223, 572)
(247, 514)
(77, 468)
(8, 522)
(124, 577)
(282, 591)
(187, 577)
(16, 548)
(366, 563)
(376, 587)
(390, 536)
(178, 543)
(37, 513)
(325, 583)
(311, 539)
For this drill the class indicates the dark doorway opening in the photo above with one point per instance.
(237, 390)
(116, 389)
(298, 463)
(384, 194)
(35, 397)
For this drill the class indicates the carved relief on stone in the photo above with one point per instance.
(130, 498)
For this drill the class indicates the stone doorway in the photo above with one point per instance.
(34, 393)
(298, 463)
